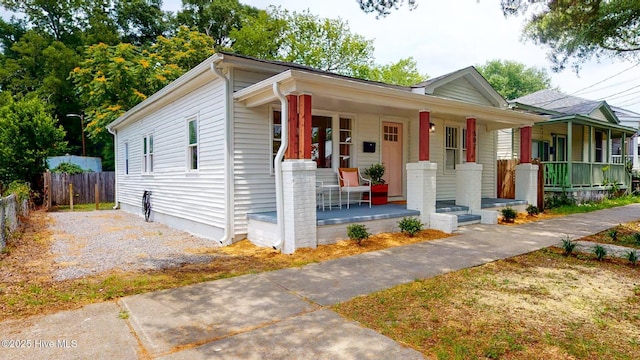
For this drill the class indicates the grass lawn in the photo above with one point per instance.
(588, 207)
(537, 306)
(85, 207)
(623, 235)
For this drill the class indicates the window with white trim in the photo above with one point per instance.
(464, 146)
(276, 134)
(451, 148)
(346, 141)
(192, 144)
(147, 154)
(126, 158)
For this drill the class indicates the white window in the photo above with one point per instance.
(451, 148)
(464, 146)
(276, 134)
(192, 145)
(126, 158)
(346, 141)
(147, 154)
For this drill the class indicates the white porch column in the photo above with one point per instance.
(299, 193)
(469, 185)
(527, 183)
(421, 189)
(634, 151)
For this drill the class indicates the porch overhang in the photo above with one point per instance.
(584, 120)
(333, 91)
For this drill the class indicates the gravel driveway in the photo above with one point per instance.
(88, 243)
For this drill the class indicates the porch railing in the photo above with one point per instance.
(557, 175)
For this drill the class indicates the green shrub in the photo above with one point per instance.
(568, 246)
(508, 214)
(613, 234)
(357, 232)
(636, 238)
(410, 226)
(68, 168)
(632, 256)
(600, 252)
(21, 189)
(556, 201)
(533, 210)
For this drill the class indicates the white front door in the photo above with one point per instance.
(392, 156)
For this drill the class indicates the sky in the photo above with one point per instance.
(447, 35)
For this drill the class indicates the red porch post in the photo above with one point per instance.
(471, 140)
(292, 150)
(305, 124)
(425, 127)
(525, 145)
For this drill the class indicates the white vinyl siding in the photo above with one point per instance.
(193, 197)
(598, 114)
(462, 89)
(486, 155)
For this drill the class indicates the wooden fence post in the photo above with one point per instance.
(97, 190)
(71, 196)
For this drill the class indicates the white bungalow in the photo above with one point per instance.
(209, 147)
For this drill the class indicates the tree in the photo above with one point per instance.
(113, 79)
(54, 17)
(574, 31)
(140, 21)
(214, 18)
(303, 38)
(404, 73)
(513, 79)
(28, 135)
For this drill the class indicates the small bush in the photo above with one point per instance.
(636, 238)
(20, 188)
(410, 226)
(568, 246)
(68, 168)
(508, 214)
(533, 210)
(613, 234)
(632, 256)
(357, 232)
(600, 252)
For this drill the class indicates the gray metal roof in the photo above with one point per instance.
(559, 102)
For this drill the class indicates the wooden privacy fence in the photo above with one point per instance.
(56, 187)
(507, 179)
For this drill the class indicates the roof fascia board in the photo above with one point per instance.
(591, 122)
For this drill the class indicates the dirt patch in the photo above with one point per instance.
(540, 305)
(523, 218)
(29, 287)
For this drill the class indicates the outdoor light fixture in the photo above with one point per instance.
(432, 127)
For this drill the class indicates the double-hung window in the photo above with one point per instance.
(451, 148)
(192, 145)
(147, 154)
(346, 141)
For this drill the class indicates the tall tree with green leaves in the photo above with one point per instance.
(404, 72)
(28, 135)
(513, 79)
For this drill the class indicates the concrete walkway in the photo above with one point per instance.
(281, 314)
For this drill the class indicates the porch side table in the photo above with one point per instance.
(330, 188)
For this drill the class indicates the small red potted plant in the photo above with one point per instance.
(379, 189)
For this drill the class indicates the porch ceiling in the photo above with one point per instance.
(351, 95)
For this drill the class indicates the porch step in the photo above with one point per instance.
(468, 219)
(453, 210)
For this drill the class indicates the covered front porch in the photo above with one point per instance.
(332, 224)
(582, 154)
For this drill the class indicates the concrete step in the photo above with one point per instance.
(468, 219)
(453, 210)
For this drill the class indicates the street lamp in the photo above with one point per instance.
(81, 117)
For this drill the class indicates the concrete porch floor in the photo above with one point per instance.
(358, 213)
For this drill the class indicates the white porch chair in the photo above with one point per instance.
(351, 181)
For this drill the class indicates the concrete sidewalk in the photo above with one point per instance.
(280, 314)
